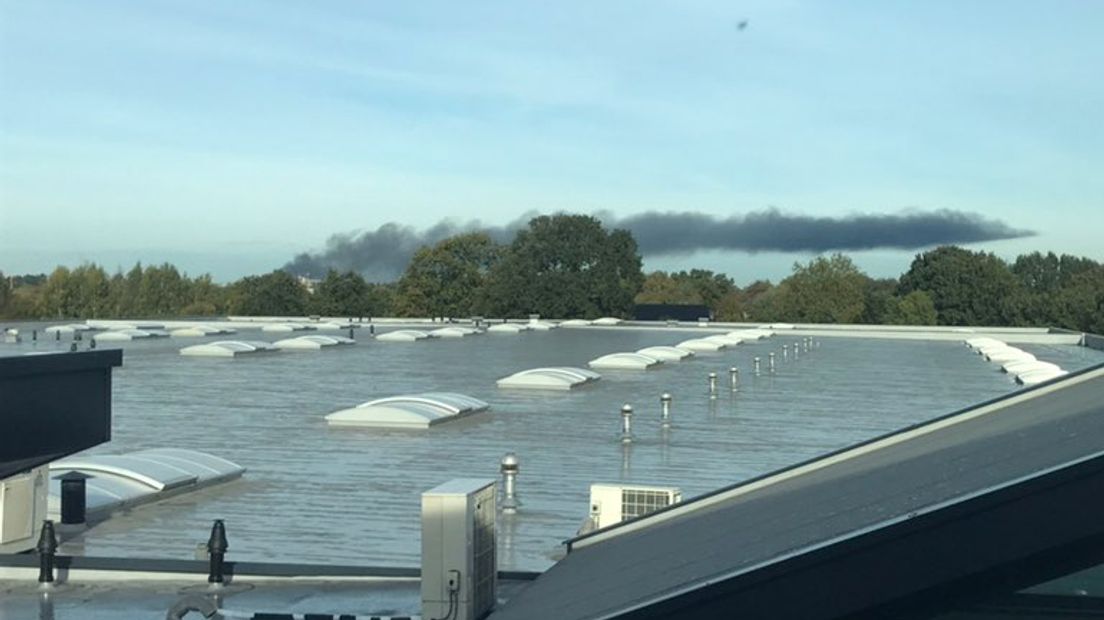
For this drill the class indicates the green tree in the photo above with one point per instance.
(341, 294)
(57, 295)
(5, 294)
(659, 287)
(447, 279)
(203, 297)
(90, 292)
(1046, 273)
(381, 299)
(566, 266)
(1081, 302)
(162, 292)
(826, 290)
(275, 294)
(916, 308)
(761, 301)
(709, 286)
(878, 300)
(731, 307)
(968, 288)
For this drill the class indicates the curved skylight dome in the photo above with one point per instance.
(116, 325)
(68, 329)
(725, 339)
(122, 335)
(624, 361)
(541, 326)
(454, 332)
(409, 411)
(228, 348)
(507, 328)
(574, 323)
(666, 354)
(1015, 367)
(196, 331)
(1001, 356)
(988, 348)
(1033, 377)
(139, 477)
(313, 342)
(554, 378)
(402, 335)
(700, 344)
(983, 341)
(331, 326)
(283, 328)
(752, 334)
(607, 320)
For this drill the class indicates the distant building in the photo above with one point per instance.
(308, 283)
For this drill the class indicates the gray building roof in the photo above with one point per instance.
(750, 550)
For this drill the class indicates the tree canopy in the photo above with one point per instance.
(448, 279)
(826, 290)
(566, 266)
(967, 288)
(570, 266)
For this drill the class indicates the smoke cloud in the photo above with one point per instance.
(771, 230)
(381, 255)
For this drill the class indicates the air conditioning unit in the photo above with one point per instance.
(613, 503)
(23, 506)
(459, 565)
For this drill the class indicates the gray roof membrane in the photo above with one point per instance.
(750, 526)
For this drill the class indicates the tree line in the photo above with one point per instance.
(571, 266)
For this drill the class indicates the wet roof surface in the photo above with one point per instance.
(324, 495)
(126, 599)
(841, 499)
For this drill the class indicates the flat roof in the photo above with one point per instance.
(733, 539)
(315, 494)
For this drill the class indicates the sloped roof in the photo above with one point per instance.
(909, 515)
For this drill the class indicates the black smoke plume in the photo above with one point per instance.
(382, 254)
(770, 230)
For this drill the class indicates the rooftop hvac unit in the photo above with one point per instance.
(22, 509)
(459, 568)
(613, 503)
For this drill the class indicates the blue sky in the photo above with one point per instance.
(228, 136)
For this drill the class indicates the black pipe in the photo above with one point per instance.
(46, 547)
(216, 549)
(73, 497)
